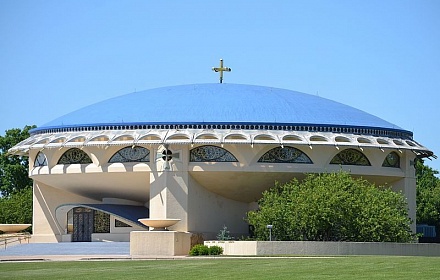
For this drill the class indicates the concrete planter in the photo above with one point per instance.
(159, 243)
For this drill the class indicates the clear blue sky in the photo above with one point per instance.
(382, 57)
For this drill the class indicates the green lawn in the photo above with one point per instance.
(371, 267)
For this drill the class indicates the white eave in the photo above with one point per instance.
(106, 138)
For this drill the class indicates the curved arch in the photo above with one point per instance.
(291, 137)
(209, 153)
(42, 141)
(392, 160)
(350, 157)
(40, 160)
(235, 136)
(410, 143)
(285, 155)
(101, 137)
(342, 139)
(125, 137)
(382, 141)
(364, 140)
(264, 137)
(207, 136)
(74, 156)
(77, 139)
(180, 136)
(318, 138)
(151, 137)
(131, 154)
(58, 140)
(126, 213)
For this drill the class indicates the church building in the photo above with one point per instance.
(202, 154)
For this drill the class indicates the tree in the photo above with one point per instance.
(428, 195)
(332, 207)
(15, 184)
(13, 169)
(17, 208)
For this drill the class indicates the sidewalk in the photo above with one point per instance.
(66, 251)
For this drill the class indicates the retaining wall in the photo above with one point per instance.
(316, 248)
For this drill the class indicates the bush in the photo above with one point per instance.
(332, 207)
(215, 250)
(203, 250)
(199, 250)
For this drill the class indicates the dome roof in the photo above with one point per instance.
(219, 104)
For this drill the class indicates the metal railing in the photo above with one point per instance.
(8, 239)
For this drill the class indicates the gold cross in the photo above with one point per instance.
(221, 69)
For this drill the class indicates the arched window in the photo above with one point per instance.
(392, 160)
(40, 160)
(210, 153)
(73, 156)
(285, 155)
(131, 154)
(350, 157)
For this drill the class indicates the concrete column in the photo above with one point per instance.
(169, 197)
(407, 185)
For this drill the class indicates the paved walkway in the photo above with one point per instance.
(66, 251)
(86, 251)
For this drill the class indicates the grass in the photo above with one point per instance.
(369, 267)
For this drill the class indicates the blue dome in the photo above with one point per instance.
(219, 104)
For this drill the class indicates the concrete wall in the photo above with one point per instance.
(205, 196)
(159, 243)
(314, 248)
(46, 199)
(209, 212)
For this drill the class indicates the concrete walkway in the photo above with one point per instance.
(66, 251)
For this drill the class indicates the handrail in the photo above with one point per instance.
(7, 239)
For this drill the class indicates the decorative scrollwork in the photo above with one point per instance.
(350, 157)
(101, 222)
(392, 160)
(131, 154)
(40, 160)
(285, 155)
(73, 156)
(211, 154)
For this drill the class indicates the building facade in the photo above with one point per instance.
(200, 153)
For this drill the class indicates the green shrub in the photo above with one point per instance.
(199, 250)
(215, 250)
(332, 207)
(203, 250)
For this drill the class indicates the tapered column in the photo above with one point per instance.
(169, 197)
(407, 186)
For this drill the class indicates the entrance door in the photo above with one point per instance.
(82, 224)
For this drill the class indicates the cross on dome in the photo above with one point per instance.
(221, 69)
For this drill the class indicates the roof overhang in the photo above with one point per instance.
(132, 137)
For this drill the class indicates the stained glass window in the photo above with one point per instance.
(392, 160)
(40, 160)
(73, 156)
(350, 157)
(285, 155)
(131, 154)
(210, 153)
